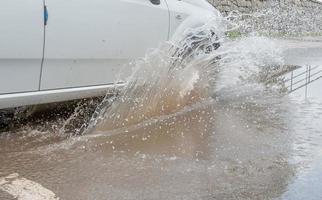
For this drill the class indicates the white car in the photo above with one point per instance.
(59, 50)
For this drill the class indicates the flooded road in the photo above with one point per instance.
(235, 145)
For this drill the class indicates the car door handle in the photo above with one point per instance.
(155, 2)
(46, 15)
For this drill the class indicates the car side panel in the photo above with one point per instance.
(21, 45)
(87, 42)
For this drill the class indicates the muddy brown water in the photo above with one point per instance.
(265, 147)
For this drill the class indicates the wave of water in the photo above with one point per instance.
(195, 66)
(201, 63)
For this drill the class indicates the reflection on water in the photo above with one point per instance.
(306, 149)
(215, 150)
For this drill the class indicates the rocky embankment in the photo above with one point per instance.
(290, 17)
(253, 5)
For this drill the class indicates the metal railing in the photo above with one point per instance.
(300, 78)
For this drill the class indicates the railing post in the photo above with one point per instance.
(309, 73)
(306, 81)
(291, 81)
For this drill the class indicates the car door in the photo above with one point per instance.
(88, 41)
(21, 45)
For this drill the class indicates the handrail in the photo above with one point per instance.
(316, 67)
(304, 85)
(302, 79)
(311, 76)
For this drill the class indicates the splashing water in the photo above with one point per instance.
(191, 68)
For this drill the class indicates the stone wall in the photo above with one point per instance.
(253, 5)
(275, 17)
(240, 5)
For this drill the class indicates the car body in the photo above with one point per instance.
(59, 50)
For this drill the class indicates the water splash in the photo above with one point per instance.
(196, 65)
(188, 69)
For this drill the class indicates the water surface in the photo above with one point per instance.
(236, 144)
